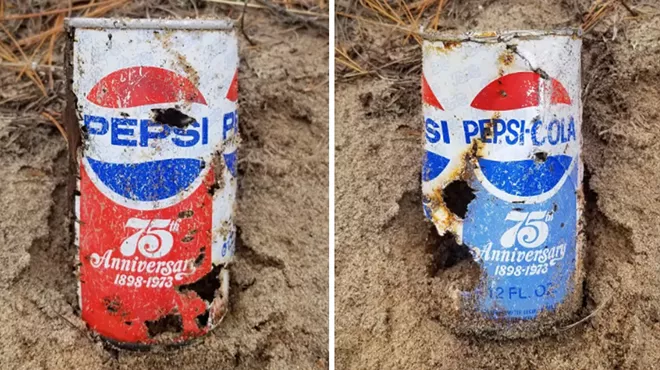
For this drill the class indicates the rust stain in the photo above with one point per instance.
(486, 34)
(165, 38)
(450, 45)
(506, 58)
(192, 73)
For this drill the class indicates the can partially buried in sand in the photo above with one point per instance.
(502, 173)
(153, 132)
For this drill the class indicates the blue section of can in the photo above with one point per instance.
(148, 181)
(527, 177)
(527, 250)
(433, 165)
(230, 161)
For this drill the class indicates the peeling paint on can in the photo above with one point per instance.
(502, 115)
(153, 131)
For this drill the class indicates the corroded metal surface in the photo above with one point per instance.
(153, 131)
(502, 117)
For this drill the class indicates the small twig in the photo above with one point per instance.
(283, 12)
(592, 314)
(632, 11)
(242, 23)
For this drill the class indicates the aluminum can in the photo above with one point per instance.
(153, 131)
(502, 118)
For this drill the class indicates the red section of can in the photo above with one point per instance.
(124, 294)
(516, 91)
(118, 89)
(153, 134)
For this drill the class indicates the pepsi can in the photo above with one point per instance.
(153, 132)
(502, 173)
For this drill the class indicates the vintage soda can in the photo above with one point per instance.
(502, 118)
(153, 131)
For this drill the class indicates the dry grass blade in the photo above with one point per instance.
(291, 17)
(377, 7)
(34, 66)
(589, 316)
(378, 23)
(56, 123)
(49, 56)
(34, 54)
(412, 20)
(54, 11)
(6, 54)
(31, 74)
(101, 10)
(383, 9)
(257, 6)
(436, 18)
(345, 60)
(597, 11)
(30, 40)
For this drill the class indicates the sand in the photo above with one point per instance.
(278, 313)
(388, 316)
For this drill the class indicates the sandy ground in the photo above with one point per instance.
(387, 313)
(278, 314)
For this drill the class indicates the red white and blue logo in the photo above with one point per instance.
(143, 153)
(504, 115)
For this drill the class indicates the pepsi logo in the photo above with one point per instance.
(134, 153)
(513, 171)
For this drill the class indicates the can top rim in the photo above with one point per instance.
(500, 36)
(156, 24)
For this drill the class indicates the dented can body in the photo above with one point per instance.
(502, 115)
(153, 131)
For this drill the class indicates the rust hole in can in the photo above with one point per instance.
(200, 258)
(112, 304)
(172, 323)
(540, 157)
(186, 214)
(205, 287)
(213, 187)
(203, 319)
(172, 117)
(449, 257)
(190, 236)
(457, 196)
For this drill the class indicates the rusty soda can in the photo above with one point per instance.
(153, 132)
(502, 173)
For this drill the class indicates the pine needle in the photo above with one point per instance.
(56, 123)
(31, 74)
